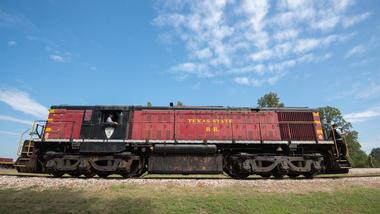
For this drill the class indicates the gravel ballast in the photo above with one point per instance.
(260, 185)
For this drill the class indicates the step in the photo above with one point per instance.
(22, 166)
(23, 159)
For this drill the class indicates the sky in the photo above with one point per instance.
(219, 53)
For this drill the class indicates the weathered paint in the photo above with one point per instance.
(65, 124)
(205, 125)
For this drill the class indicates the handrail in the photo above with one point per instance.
(334, 138)
(30, 138)
(21, 142)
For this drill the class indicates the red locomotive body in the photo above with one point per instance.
(81, 140)
(64, 124)
(205, 125)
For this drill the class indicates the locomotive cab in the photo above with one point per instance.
(95, 127)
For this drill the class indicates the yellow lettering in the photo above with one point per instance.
(208, 129)
(215, 129)
(200, 121)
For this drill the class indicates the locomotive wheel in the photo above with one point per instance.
(103, 174)
(266, 175)
(74, 174)
(310, 175)
(238, 175)
(57, 174)
(278, 175)
(90, 174)
(125, 175)
(138, 168)
(232, 168)
(293, 175)
(235, 174)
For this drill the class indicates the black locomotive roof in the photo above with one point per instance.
(221, 108)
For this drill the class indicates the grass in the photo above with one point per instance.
(128, 198)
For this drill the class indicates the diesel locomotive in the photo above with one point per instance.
(132, 140)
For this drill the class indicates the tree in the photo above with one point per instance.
(375, 155)
(358, 157)
(149, 104)
(270, 100)
(179, 103)
(331, 115)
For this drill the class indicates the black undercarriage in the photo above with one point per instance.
(134, 159)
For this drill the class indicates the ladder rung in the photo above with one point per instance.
(19, 165)
(24, 159)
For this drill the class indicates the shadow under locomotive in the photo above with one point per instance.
(81, 140)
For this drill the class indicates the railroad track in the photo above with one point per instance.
(167, 177)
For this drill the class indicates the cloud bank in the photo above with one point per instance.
(254, 42)
(362, 116)
(21, 101)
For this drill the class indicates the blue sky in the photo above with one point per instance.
(312, 53)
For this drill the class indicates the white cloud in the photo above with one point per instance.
(362, 116)
(370, 90)
(16, 120)
(285, 35)
(359, 49)
(231, 37)
(12, 43)
(203, 54)
(248, 81)
(200, 70)
(351, 20)
(304, 45)
(262, 55)
(57, 58)
(340, 5)
(326, 23)
(2, 132)
(15, 21)
(359, 91)
(21, 101)
(242, 80)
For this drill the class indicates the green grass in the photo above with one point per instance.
(173, 199)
